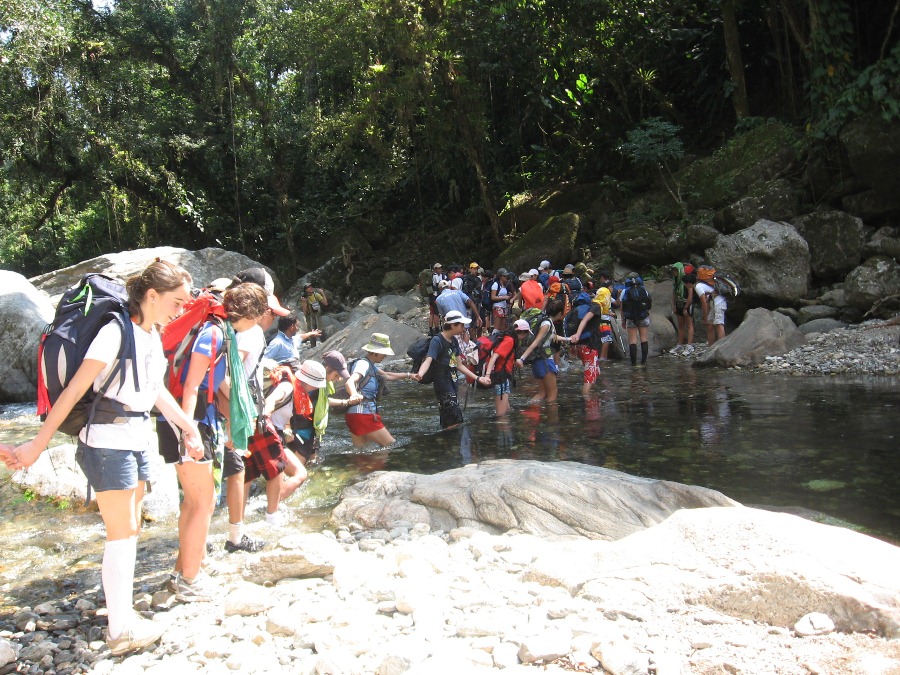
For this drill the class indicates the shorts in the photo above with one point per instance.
(500, 312)
(504, 388)
(233, 464)
(170, 447)
(432, 306)
(716, 315)
(361, 424)
(679, 307)
(606, 334)
(108, 469)
(541, 367)
(637, 323)
(305, 447)
(266, 455)
(589, 356)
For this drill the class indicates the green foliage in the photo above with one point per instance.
(653, 143)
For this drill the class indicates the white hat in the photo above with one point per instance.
(443, 283)
(521, 324)
(533, 272)
(545, 265)
(455, 316)
(312, 373)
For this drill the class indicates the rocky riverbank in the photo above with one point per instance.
(694, 594)
(871, 348)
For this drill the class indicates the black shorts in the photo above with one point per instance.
(170, 447)
(306, 449)
(234, 463)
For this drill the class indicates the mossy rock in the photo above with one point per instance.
(529, 210)
(759, 155)
(552, 240)
(640, 245)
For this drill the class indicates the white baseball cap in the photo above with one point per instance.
(455, 316)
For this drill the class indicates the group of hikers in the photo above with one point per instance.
(231, 407)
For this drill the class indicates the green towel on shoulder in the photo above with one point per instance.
(241, 405)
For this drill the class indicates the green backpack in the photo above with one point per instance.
(535, 317)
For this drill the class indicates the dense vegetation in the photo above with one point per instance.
(272, 126)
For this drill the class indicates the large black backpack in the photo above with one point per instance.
(417, 351)
(637, 301)
(81, 313)
(471, 286)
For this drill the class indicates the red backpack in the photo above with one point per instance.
(178, 339)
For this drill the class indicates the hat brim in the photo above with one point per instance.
(318, 384)
(464, 322)
(276, 307)
(374, 349)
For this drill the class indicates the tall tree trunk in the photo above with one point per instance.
(733, 57)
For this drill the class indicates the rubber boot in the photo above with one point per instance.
(632, 351)
(645, 349)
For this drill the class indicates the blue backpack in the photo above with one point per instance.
(637, 302)
(580, 307)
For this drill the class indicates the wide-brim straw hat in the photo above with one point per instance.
(379, 344)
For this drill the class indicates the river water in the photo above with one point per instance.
(825, 444)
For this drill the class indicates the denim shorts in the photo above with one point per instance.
(505, 388)
(541, 367)
(112, 469)
(637, 323)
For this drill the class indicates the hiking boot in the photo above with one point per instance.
(247, 545)
(201, 589)
(140, 633)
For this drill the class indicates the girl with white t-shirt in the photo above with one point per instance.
(115, 456)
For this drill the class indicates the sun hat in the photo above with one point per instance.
(259, 276)
(521, 324)
(436, 265)
(219, 285)
(312, 373)
(525, 276)
(335, 361)
(444, 283)
(569, 269)
(545, 265)
(455, 316)
(379, 344)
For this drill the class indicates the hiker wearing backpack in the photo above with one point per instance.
(538, 352)
(434, 316)
(113, 450)
(502, 296)
(441, 363)
(500, 360)
(636, 303)
(212, 356)
(570, 279)
(683, 306)
(365, 385)
(449, 299)
(487, 278)
(712, 305)
(531, 293)
(593, 333)
(313, 302)
(471, 286)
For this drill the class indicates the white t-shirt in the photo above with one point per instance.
(252, 341)
(456, 283)
(502, 292)
(702, 288)
(134, 433)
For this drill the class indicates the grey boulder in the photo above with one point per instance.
(24, 311)
(874, 280)
(762, 333)
(770, 260)
(540, 498)
(835, 241)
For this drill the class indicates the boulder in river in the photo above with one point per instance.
(762, 333)
(770, 260)
(24, 311)
(545, 499)
(350, 339)
(835, 241)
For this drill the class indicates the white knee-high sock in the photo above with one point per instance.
(118, 583)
